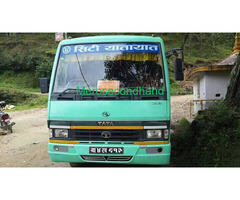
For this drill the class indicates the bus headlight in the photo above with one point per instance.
(154, 133)
(61, 133)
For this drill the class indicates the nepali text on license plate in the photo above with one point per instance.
(106, 150)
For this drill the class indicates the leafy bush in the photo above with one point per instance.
(19, 62)
(34, 63)
(213, 139)
(184, 123)
(44, 68)
(12, 96)
(26, 60)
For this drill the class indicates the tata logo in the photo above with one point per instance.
(106, 134)
(105, 114)
(66, 49)
(105, 123)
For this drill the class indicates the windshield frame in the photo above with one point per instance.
(116, 42)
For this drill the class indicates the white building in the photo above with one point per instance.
(210, 82)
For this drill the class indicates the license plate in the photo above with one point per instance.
(106, 150)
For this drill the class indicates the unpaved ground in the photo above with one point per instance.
(27, 146)
(180, 107)
(18, 149)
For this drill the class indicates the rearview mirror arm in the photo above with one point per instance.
(174, 52)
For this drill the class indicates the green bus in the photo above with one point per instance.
(123, 127)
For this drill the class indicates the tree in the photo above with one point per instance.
(190, 44)
(233, 91)
(200, 44)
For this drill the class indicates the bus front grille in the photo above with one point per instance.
(107, 158)
(116, 135)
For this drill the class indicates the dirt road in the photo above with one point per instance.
(180, 107)
(27, 146)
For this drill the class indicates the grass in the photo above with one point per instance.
(39, 102)
(22, 100)
(45, 43)
(176, 90)
(209, 54)
(19, 81)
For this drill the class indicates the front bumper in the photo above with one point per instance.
(73, 153)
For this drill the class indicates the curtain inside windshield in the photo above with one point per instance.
(132, 64)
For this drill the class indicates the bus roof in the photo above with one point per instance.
(111, 38)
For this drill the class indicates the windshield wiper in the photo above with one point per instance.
(64, 91)
(81, 71)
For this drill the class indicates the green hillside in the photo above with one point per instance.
(25, 57)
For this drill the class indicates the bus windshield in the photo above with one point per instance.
(129, 64)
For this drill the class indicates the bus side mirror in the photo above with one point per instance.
(44, 85)
(178, 69)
